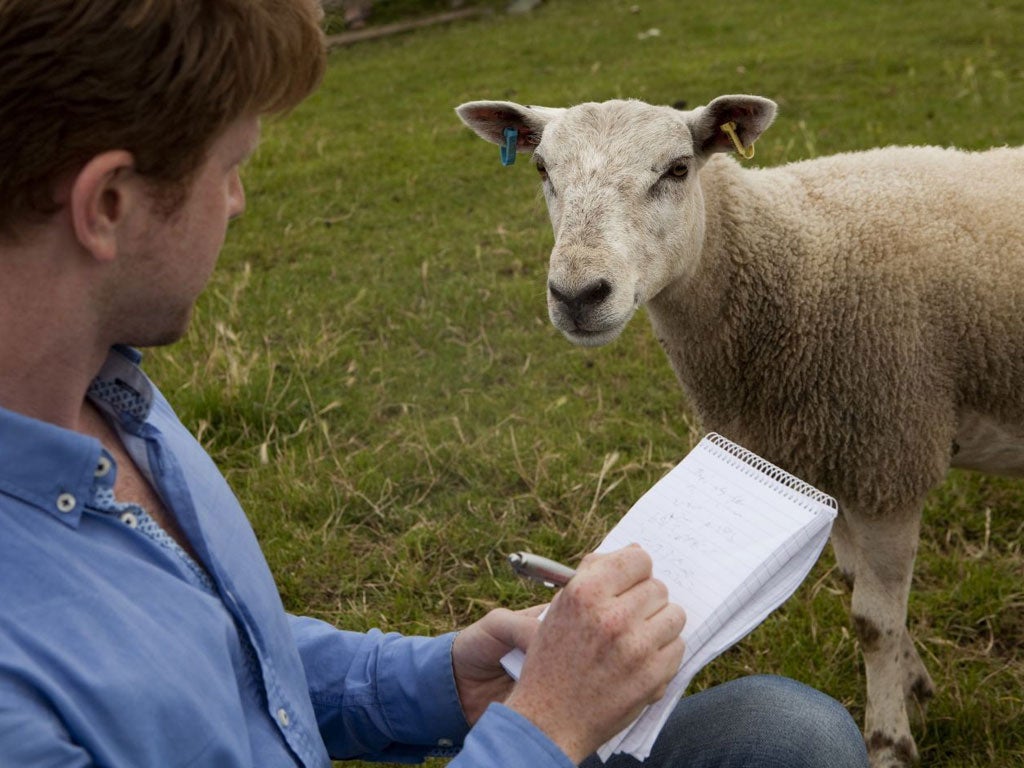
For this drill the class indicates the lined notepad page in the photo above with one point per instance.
(732, 536)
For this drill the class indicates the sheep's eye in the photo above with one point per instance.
(542, 170)
(677, 171)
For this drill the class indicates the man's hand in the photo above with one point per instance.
(608, 646)
(476, 656)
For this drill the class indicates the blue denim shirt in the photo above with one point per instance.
(119, 650)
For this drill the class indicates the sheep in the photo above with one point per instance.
(856, 318)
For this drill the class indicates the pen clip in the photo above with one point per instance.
(540, 569)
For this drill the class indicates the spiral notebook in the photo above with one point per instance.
(732, 536)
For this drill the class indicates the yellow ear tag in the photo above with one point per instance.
(730, 131)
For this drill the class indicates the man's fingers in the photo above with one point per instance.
(534, 610)
(669, 658)
(667, 624)
(650, 596)
(620, 570)
(513, 628)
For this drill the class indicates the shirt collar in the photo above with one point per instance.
(54, 468)
(121, 389)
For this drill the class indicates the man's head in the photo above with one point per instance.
(159, 79)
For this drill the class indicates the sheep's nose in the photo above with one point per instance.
(590, 296)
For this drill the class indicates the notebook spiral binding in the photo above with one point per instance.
(801, 489)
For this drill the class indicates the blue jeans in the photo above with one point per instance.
(754, 722)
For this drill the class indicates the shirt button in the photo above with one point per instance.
(282, 717)
(129, 519)
(65, 502)
(103, 467)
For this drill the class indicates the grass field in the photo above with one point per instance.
(374, 370)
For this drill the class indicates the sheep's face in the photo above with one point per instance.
(620, 180)
(621, 183)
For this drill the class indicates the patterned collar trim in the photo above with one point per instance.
(121, 388)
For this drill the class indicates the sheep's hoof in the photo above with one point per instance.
(886, 752)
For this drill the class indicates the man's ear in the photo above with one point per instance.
(750, 116)
(490, 119)
(100, 198)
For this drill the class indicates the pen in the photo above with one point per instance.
(547, 572)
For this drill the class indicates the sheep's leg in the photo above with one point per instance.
(918, 687)
(876, 554)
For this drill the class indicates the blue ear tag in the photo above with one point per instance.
(508, 149)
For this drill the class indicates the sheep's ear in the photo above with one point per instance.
(750, 116)
(490, 119)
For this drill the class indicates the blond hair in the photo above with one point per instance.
(159, 78)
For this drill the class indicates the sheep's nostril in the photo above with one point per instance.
(557, 295)
(589, 296)
(595, 294)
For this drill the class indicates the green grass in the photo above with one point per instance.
(373, 368)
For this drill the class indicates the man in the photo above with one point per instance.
(140, 625)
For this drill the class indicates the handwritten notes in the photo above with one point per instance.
(732, 536)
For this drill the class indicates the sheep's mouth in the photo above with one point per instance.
(586, 337)
(590, 328)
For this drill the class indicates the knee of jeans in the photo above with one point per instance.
(823, 724)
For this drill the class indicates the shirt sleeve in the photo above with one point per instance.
(503, 738)
(385, 696)
(380, 696)
(31, 733)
